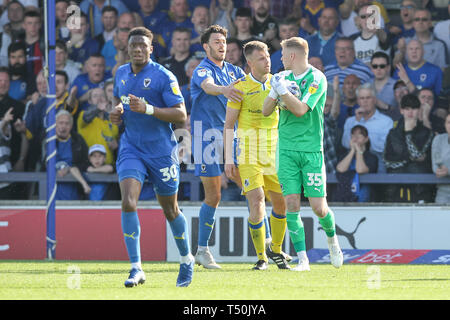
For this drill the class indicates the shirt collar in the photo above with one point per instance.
(314, 11)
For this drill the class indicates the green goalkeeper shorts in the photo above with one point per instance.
(297, 168)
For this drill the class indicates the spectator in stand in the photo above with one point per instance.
(439, 108)
(14, 26)
(28, 5)
(321, 44)
(18, 154)
(350, 101)
(93, 10)
(109, 21)
(281, 9)
(71, 157)
(406, 28)
(316, 62)
(201, 20)
(348, 11)
(94, 125)
(190, 66)
(12, 31)
(383, 83)
(377, 124)
(112, 50)
(62, 32)
(80, 46)
(234, 53)
(95, 77)
(62, 61)
(400, 90)
(97, 157)
(418, 73)
(176, 62)
(5, 151)
(408, 150)
(18, 141)
(331, 130)
(265, 26)
(35, 118)
(18, 70)
(440, 160)
(35, 47)
(435, 50)
(312, 11)
(441, 31)
(243, 23)
(353, 163)
(372, 38)
(178, 17)
(347, 63)
(151, 16)
(287, 28)
(109, 91)
(426, 98)
(223, 13)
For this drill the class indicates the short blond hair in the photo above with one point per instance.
(251, 46)
(296, 43)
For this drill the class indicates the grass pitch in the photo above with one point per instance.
(99, 280)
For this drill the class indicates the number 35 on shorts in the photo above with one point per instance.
(169, 173)
(314, 179)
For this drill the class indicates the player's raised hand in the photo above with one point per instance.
(115, 116)
(231, 93)
(136, 104)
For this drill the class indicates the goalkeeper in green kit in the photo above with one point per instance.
(300, 93)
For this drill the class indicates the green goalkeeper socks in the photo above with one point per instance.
(328, 224)
(296, 230)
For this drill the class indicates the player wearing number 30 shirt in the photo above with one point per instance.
(148, 100)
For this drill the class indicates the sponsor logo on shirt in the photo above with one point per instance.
(313, 87)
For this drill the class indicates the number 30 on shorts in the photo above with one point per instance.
(314, 179)
(168, 173)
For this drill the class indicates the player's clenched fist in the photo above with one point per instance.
(136, 104)
(115, 116)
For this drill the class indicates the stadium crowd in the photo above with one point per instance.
(388, 75)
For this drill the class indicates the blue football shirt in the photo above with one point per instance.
(146, 135)
(209, 109)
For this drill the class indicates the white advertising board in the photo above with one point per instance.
(405, 227)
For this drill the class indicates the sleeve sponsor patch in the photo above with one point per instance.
(313, 87)
(202, 73)
(175, 88)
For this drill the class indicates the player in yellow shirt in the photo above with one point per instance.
(258, 136)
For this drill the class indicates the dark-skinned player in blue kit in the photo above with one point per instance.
(148, 100)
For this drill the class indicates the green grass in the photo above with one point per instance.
(27, 280)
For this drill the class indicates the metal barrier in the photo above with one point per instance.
(371, 178)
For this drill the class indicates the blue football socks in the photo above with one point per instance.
(131, 232)
(206, 224)
(180, 234)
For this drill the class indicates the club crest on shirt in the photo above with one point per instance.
(203, 168)
(246, 182)
(147, 82)
(423, 77)
(232, 75)
(302, 85)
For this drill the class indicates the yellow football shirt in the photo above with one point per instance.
(256, 133)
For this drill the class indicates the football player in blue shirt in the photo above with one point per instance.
(212, 85)
(148, 100)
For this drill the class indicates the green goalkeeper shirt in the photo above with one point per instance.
(304, 133)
